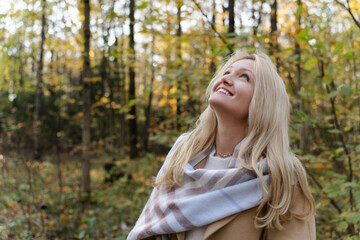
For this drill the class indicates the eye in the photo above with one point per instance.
(227, 72)
(245, 76)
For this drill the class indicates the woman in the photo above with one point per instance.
(233, 176)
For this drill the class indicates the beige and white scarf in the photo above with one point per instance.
(207, 196)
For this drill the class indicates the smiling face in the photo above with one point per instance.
(232, 93)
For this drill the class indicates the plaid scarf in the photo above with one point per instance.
(207, 196)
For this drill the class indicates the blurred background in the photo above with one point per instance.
(94, 93)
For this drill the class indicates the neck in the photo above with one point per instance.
(229, 134)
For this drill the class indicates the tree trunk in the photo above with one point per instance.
(132, 97)
(303, 138)
(39, 84)
(231, 28)
(274, 46)
(213, 21)
(120, 82)
(152, 77)
(179, 65)
(86, 102)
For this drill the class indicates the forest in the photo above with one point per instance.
(93, 93)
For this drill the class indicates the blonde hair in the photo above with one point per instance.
(267, 135)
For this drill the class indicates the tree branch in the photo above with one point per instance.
(357, 22)
(213, 27)
(332, 201)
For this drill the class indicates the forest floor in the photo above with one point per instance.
(43, 200)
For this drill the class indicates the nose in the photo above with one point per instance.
(227, 80)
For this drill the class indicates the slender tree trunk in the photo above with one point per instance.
(132, 97)
(21, 66)
(179, 65)
(213, 21)
(152, 77)
(231, 28)
(274, 46)
(120, 80)
(356, 130)
(86, 102)
(39, 85)
(303, 140)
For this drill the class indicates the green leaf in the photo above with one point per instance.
(349, 184)
(310, 63)
(342, 226)
(143, 5)
(349, 55)
(327, 79)
(357, 148)
(345, 89)
(328, 73)
(298, 11)
(292, 58)
(338, 49)
(335, 131)
(333, 94)
(304, 34)
(185, 39)
(127, 106)
(82, 234)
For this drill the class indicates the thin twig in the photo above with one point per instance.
(357, 22)
(213, 26)
(332, 201)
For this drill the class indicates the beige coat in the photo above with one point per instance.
(240, 226)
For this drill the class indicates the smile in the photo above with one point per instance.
(224, 91)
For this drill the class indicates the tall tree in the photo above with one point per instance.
(212, 67)
(39, 85)
(152, 78)
(86, 82)
(231, 7)
(132, 97)
(179, 65)
(302, 142)
(274, 46)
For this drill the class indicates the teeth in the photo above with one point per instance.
(223, 91)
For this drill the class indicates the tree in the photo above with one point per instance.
(132, 96)
(86, 82)
(39, 85)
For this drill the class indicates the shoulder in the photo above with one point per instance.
(297, 228)
(243, 224)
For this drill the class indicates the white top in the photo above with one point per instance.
(212, 162)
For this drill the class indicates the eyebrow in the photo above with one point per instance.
(242, 69)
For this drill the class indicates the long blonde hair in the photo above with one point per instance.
(267, 135)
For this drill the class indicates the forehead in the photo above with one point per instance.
(246, 64)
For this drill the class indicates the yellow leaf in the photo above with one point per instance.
(185, 97)
(172, 90)
(64, 218)
(162, 102)
(46, 93)
(104, 100)
(165, 93)
(52, 224)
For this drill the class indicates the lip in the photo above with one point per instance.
(216, 90)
